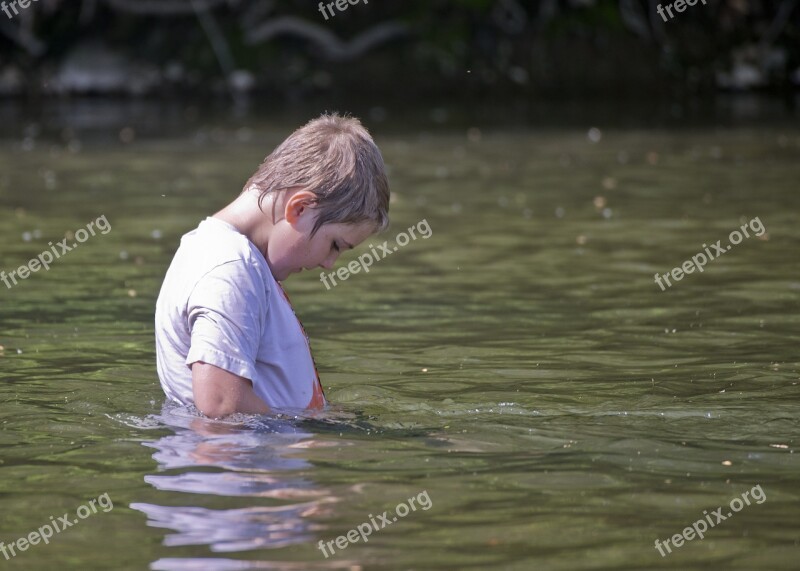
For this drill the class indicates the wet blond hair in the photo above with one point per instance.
(335, 158)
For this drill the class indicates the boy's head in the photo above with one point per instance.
(335, 159)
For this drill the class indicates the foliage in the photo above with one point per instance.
(507, 43)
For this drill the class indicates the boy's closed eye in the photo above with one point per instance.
(338, 248)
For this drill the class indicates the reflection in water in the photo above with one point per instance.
(254, 460)
(238, 565)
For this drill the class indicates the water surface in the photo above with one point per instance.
(520, 365)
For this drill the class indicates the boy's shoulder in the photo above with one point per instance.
(214, 244)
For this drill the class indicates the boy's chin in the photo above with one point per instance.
(283, 275)
(278, 273)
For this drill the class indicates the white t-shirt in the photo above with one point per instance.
(220, 304)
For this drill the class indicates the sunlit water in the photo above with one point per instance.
(520, 366)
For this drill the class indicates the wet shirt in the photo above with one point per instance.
(220, 304)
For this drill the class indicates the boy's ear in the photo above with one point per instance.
(299, 204)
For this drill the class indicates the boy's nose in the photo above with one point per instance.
(329, 262)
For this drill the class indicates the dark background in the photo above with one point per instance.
(401, 50)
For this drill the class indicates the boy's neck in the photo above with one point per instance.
(245, 215)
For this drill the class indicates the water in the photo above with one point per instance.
(520, 365)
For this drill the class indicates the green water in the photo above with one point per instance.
(520, 365)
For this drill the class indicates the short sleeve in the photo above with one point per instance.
(226, 312)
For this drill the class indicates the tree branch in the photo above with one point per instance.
(215, 38)
(164, 7)
(333, 48)
(26, 40)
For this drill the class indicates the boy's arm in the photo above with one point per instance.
(218, 393)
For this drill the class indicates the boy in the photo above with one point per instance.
(227, 339)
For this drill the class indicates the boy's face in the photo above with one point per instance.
(291, 249)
